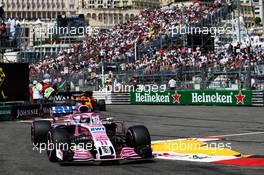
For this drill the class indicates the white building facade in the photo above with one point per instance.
(42, 9)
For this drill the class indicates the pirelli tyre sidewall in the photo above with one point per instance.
(39, 131)
(58, 138)
(138, 137)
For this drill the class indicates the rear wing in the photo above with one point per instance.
(65, 97)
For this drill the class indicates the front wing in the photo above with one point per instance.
(126, 153)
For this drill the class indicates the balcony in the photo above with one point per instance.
(7, 44)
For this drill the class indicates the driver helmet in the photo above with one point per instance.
(85, 120)
(77, 119)
(81, 119)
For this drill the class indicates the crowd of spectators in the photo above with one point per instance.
(9, 32)
(117, 45)
(69, 65)
(171, 60)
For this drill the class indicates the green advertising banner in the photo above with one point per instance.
(5, 113)
(193, 97)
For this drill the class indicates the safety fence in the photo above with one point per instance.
(5, 113)
(187, 77)
(19, 111)
(185, 97)
(112, 98)
(258, 98)
(22, 111)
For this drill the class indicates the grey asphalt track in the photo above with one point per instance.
(163, 122)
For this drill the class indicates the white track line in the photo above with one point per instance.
(241, 134)
(210, 138)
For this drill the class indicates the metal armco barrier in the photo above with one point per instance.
(12, 111)
(114, 98)
(258, 98)
(21, 112)
(5, 113)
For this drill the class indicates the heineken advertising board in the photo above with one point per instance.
(193, 97)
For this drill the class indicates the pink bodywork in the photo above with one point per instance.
(99, 137)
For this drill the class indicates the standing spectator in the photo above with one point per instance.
(45, 84)
(3, 31)
(229, 6)
(67, 86)
(172, 84)
(37, 92)
(13, 28)
(134, 82)
(2, 13)
(31, 93)
(253, 84)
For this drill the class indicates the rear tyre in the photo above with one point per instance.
(58, 138)
(39, 131)
(138, 137)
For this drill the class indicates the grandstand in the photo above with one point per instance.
(143, 47)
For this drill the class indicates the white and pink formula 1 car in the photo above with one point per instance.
(85, 136)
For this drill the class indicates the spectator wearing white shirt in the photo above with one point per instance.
(37, 92)
(13, 28)
(172, 84)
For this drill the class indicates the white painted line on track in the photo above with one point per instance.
(25, 121)
(209, 138)
(203, 139)
(240, 134)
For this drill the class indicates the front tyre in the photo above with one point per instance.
(138, 137)
(39, 131)
(58, 139)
